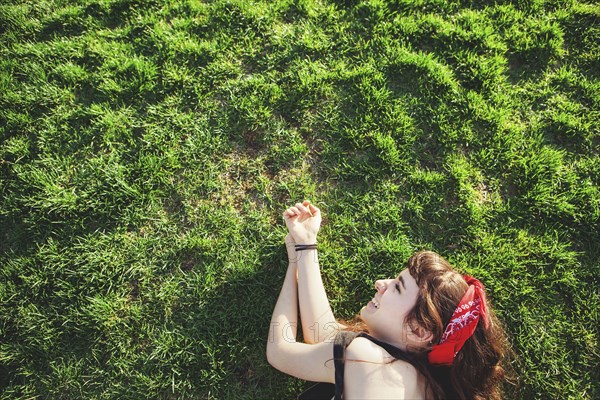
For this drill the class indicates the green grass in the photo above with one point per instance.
(148, 149)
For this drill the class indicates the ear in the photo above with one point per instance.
(421, 335)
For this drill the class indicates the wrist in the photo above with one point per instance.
(304, 255)
(305, 247)
(306, 240)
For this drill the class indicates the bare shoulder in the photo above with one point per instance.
(365, 350)
(387, 377)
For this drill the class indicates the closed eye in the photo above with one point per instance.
(399, 282)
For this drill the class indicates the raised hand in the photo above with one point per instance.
(303, 221)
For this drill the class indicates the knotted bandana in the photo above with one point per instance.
(462, 324)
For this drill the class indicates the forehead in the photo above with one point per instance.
(409, 282)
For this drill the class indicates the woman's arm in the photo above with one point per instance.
(284, 322)
(304, 361)
(318, 321)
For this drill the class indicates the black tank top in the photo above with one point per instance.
(329, 391)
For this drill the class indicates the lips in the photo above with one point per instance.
(375, 302)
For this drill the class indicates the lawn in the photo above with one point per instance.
(148, 149)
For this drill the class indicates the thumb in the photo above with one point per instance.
(313, 210)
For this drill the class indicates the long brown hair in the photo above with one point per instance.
(478, 369)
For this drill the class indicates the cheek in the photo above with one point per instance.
(403, 310)
(399, 305)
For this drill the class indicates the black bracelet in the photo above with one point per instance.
(300, 247)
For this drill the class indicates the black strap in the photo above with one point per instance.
(394, 351)
(342, 340)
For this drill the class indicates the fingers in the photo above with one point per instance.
(291, 212)
(299, 209)
(303, 209)
(311, 209)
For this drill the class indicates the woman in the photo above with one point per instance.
(430, 334)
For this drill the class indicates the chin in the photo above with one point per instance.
(363, 315)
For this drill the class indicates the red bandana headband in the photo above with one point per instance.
(462, 324)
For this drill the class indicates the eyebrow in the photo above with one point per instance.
(401, 279)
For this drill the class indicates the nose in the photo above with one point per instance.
(380, 285)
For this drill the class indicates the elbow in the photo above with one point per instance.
(278, 355)
(272, 354)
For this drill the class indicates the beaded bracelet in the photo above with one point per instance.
(300, 247)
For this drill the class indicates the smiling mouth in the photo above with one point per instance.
(375, 303)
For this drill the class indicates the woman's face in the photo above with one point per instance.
(385, 314)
